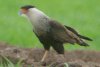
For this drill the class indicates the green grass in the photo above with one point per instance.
(83, 15)
(5, 62)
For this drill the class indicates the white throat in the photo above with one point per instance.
(39, 20)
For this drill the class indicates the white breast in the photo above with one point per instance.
(39, 21)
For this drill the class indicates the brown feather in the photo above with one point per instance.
(75, 32)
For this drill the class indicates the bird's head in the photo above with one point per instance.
(25, 9)
(30, 10)
(32, 13)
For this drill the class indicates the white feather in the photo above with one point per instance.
(39, 21)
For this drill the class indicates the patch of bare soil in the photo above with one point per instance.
(31, 57)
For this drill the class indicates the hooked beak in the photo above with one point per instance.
(20, 13)
(23, 12)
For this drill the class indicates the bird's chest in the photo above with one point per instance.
(40, 27)
(40, 23)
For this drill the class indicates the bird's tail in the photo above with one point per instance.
(84, 37)
(82, 43)
(80, 36)
(80, 39)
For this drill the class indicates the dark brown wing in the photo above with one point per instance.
(60, 33)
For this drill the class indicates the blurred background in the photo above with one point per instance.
(82, 15)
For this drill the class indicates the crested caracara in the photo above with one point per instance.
(50, 32)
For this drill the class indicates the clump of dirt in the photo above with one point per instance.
(31, 57)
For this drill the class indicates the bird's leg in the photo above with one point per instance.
(45, 55)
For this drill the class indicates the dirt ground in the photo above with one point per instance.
(31, 57)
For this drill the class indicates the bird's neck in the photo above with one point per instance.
(35, 14)
(39, 21)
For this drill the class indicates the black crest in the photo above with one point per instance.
(27, 7)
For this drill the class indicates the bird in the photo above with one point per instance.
(52, 33)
